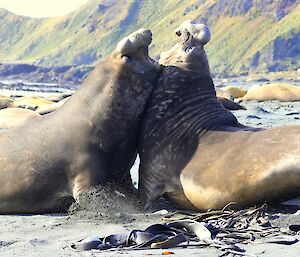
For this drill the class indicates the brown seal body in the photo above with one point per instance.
(194, 151)
(283, 92)
(51, 107)
(12, 117)
(88, 141)
(5, 102)
(31, 102)
(233, 165)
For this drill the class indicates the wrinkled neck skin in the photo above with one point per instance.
(184, 104)
(183, 111)
(107, 107)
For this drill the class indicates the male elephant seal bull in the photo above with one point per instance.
(193, 150)
(86, 142)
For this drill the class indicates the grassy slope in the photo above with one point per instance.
(89, 34)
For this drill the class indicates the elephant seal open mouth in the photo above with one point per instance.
(91, 139)
(194, 151)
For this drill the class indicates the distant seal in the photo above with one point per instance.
(90, 140)
(31, 102)
(223, 94)
(58, 97)
(283, 92)
(13, 117)
(194, 152)
(235, 92)
(5, 102)
(227, 100)
(51, 107)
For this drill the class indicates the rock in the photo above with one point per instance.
(253, 117)
(292, 202)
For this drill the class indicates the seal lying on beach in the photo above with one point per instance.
(90, 140)
(283, 92)
(51, 107)
(12, 117)
(31, 102)
(5, 102)
(194, 151)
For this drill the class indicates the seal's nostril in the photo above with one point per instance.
(189, 49)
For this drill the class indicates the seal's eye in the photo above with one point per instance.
(126, 58)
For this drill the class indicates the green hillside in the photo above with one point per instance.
(248, 35)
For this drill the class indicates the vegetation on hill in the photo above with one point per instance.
(247, 35)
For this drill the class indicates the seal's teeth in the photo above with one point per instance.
(190, 49)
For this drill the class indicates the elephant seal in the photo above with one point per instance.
(227, 100)
(5, 102)
(88, 141)
(235, 92)
(13, 117)
(51, 107)
(58, 97)
(283, 92)
(223, 94)
(195, 153)
(31, 102)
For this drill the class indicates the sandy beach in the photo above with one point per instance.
(52, 234)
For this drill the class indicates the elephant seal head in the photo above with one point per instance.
(200, 32)
(189, 52)
(133, 51)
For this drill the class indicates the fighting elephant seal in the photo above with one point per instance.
(194, 151)
(88, 141)
(13, 117)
